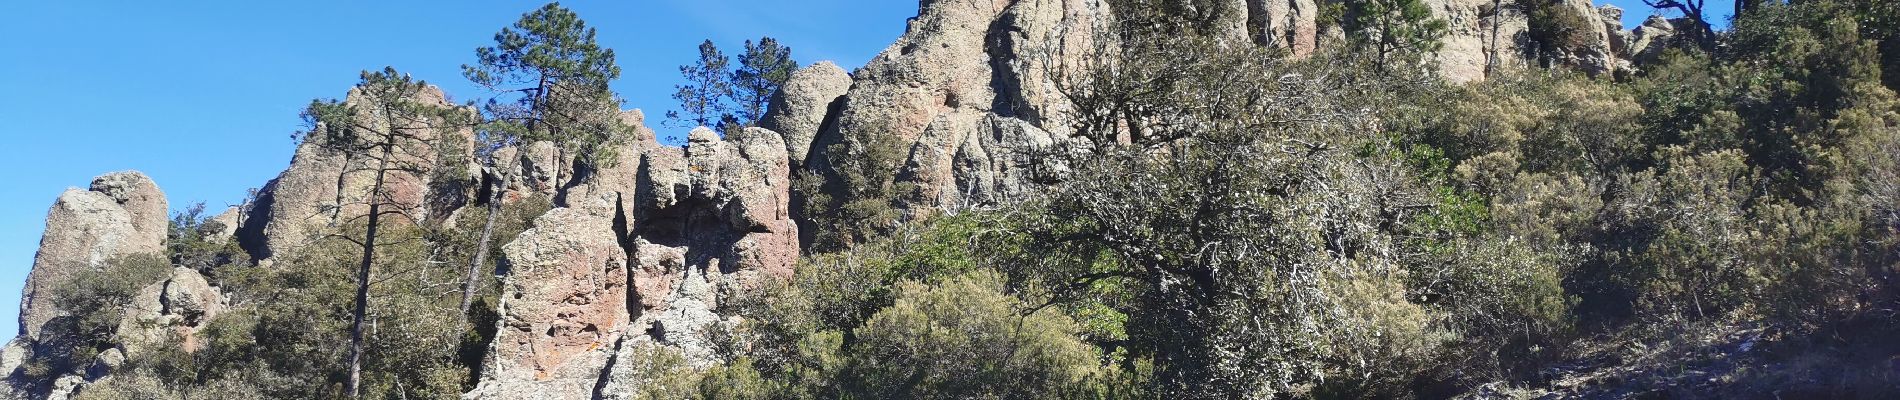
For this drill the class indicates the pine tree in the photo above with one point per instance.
(386, 121)
(703, 99)
(1394, 30)
(551, 82)
(763, 68)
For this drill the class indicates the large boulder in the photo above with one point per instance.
(143, 201)
(563, 309)
(177, 307)
(123, 214)
(963, 67)
(798, 110)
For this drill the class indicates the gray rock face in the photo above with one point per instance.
(143, 202)
(324, 189)
(1647, 42)
(720, 215)
(178, 306)
(563, 308)
(1290, 25)
(963, 68)
(1482, 40)
(798, 110)
(124, 214)
(227, 225)
(643, 253)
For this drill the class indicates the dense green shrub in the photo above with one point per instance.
(95, 301)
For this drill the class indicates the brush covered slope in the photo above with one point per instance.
(1047, 199)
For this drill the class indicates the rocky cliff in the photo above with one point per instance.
(644, 251)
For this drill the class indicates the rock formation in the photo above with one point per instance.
(179, 306)
(324, 189)
(968, 89)
(563, 307)
(123, 214)
(1291, 25)
(725, 224)
(1486, 36)
(643, 253)
(799, 108)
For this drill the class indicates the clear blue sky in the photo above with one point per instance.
(203, 95)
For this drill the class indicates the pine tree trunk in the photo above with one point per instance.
(362, 278)
(481, 246)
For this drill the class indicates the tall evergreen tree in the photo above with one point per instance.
(551, 81)
(1392, 29)
(703, 97)
(385, 122)
(763, 68)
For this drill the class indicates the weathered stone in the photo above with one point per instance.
(563, 307)
(65, 387)
(611, 189)
(324, 189)
(227, 225)
(1290, 25)
(14, 355)
(1648, 41)
(715, 222)
(798, 110)
(124, 215)
(106, 362)
(965, 62)
(144, 203)
(177, 307)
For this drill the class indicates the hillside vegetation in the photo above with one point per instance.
(1232, 222)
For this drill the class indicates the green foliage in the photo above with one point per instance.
(551, 81)
(762, 69)
(194, 242)
(1554, 28)
(965, 338)
(387, 119)
(95, 300)
(853, 196)
(729, 93)
(1395, 32)
(286, 322)
(703, 98)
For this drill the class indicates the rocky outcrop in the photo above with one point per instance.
(564, 306)
(122, 214)
(1486, 36)
(720, 221)
(226, 225)
(142, 201)
(971, 91)
(1290, 25)
(1647, 42)
(643, 252)
(798, 110)
(972, 73)
(177, 307)
(324, 189)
